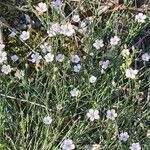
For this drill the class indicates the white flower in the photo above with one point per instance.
(56, 27)
(51, 33)
(12, 34)
(67, 29)
(75, 92)
(83, 24)
(49, 57)
(54, 30)
(41, 8)
(2, 46)
(14, 58)
(111, 114)
(93, 114)
(36, 57)
(19, 74)
(60, 57)
(91, 54)
(140, 17)
(3, 56)
(135, 146)
(57, 4)
(130, 73)
(125, 52)
(25, 35)
(68, 145)
(92, 79)
(45, 47)
(75, 58)
(76, 18)
(148, 133)
(98, 43)
(77, 68)
(6, 69)
(47, 120)
(114, 40)
(123, 136)
(83, 27)
(105, 64)
(146, 57)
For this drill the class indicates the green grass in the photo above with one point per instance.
(45, 89)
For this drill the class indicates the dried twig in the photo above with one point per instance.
(105, 8)
(2, 22)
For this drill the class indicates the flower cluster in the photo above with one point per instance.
(3, 58)
(46, 52)
(57, 29)
(99, 43)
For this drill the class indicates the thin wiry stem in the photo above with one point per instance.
(22, 100)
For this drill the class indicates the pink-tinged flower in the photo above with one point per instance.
(114, 40)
